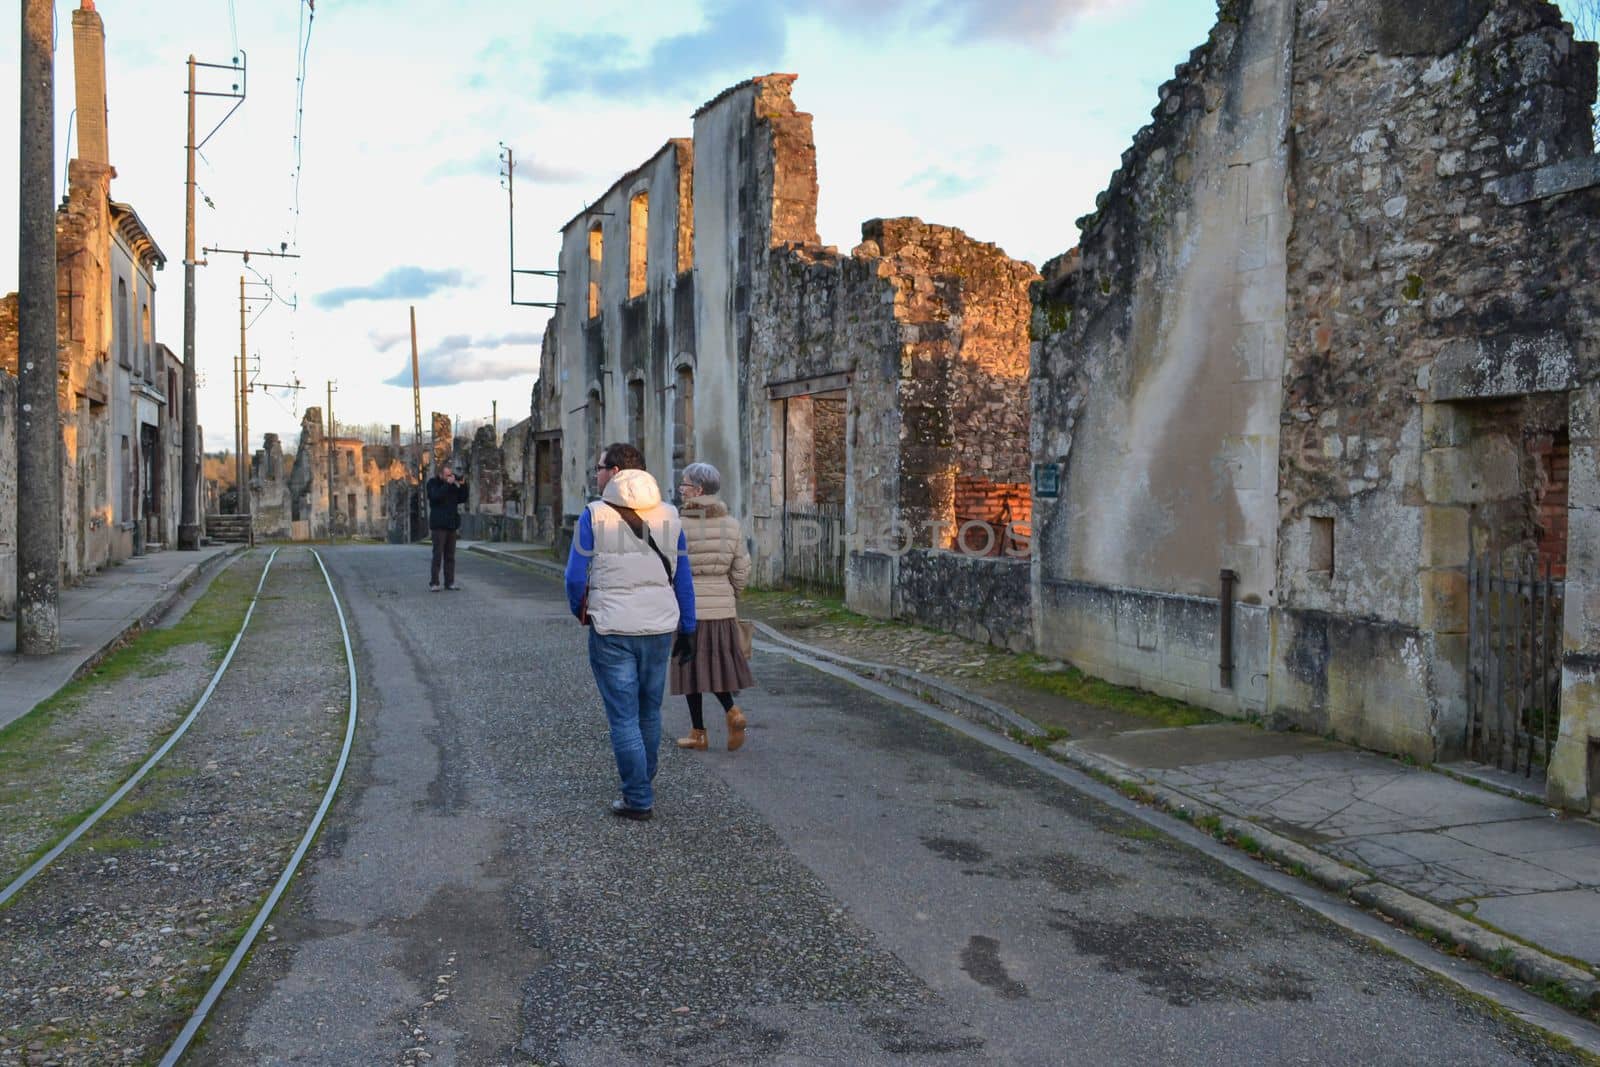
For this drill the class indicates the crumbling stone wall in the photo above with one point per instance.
(308, 480)
(369, 475)
(1442, 322)
(269, 484)
(514, 488)
(928, 328)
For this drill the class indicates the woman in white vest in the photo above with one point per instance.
(628, 579)
(721, 562)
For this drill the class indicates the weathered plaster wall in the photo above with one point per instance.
(1157, 368)
(1161, 342)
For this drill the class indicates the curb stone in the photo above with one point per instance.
(1527, 964)
(174, 591)
(934, 690)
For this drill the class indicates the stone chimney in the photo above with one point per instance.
(394, 439)
(89, 69)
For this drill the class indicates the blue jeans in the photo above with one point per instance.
(631, 672)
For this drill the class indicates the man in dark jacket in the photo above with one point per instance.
(445, 497)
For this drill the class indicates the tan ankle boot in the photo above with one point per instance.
(696, 740)
(735, 728)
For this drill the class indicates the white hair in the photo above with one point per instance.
(703, 475)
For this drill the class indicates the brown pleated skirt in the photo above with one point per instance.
(718, 665)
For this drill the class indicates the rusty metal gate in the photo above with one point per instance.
(1514, 641)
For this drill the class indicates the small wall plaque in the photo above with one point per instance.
(1046, 481)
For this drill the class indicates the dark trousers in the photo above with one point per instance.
(444, 550)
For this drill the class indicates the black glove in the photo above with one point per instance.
(683, 648)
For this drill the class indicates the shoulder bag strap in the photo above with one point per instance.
(641, 528)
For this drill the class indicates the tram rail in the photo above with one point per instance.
(213, 994)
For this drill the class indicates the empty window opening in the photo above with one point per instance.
(123, 326)
(638, 244)
(1321, 550)
(636, 414)
(596, 255)
(595, 422)
(682, 423)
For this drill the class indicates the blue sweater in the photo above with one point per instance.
(578, 573)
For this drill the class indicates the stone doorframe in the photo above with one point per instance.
(1464, 473)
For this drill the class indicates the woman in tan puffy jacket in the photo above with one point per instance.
(721, 563)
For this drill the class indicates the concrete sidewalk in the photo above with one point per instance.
(1523, 869)
(1422, 846)
(95, 615)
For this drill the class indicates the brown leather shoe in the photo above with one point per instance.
(735, 728)
(696, 740)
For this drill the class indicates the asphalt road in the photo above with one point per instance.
(858, 885)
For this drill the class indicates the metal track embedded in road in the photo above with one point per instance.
(198, 1018)
(67, 842)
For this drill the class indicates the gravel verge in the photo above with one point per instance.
(68, 754)
(103, 957)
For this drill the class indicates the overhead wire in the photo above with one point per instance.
(305, 23)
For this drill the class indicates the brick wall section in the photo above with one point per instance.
(1005, 507)
(1554, 459)
(9, 341)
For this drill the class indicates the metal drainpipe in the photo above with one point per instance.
(1229, 578)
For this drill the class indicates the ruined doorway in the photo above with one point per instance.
(150, 481)
(811, 466)
(546, 507)
(1500, 471)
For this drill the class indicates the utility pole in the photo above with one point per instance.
(241, 377)
(241, 421)
(332, 456)
(416, 395)
(494, 419)
(39, 424)
(189, 519)
(508, 179)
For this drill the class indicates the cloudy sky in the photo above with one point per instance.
(1003, 117)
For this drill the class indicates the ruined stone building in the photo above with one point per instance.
(1302, 428)
(701, 319)
(369, 493)
(120, 406)
(1334, 328)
